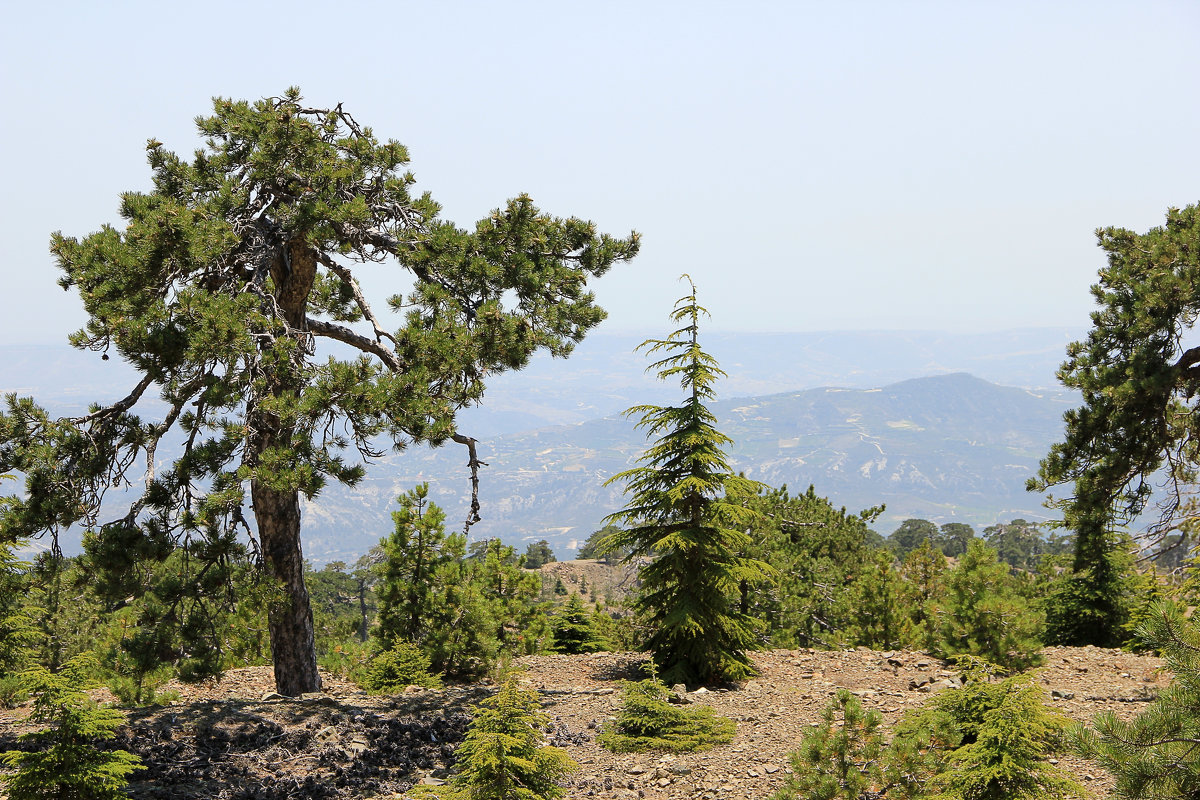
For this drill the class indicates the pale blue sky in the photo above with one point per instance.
(814, 166)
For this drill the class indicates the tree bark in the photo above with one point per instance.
(293, 643)
(277, 510)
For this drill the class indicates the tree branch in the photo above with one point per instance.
(474, 463)
(359, 298)
(120, 406)
(344, 335)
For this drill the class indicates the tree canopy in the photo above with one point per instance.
(1139, 373)
(234, 290)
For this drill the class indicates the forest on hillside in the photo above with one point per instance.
(236, 275)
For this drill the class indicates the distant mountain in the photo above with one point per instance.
(946, 447)
(949, 448)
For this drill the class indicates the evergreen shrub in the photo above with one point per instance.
(648, 721)
(63, 761)
(403, 665)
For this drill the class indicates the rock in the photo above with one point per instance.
(1059, 695)
(317, 698)
(273, 696)
(679, 694)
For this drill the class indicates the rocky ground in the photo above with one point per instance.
(224, 740)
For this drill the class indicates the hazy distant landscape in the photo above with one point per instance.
(936, 425)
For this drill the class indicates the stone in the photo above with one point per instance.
(274, 696)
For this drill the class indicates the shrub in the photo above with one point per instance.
(64, 761)
(985, 741)
(403, 665)
(840, 757)
(648, 721)
(13, 691)
(503, 757)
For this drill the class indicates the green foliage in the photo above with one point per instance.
(537, 554)
(392, 670)
(1094, 604)
(924, 590)
(414, 556)
(574, 631)
(463, 612)
(1007, 758)
(1007, 732)
(1138, 380)
(840, 757)
(503, 757)
(13, 690)
(648, 721)
(984, 614)
(591, 548)
(1021, 544)
(18, 628)
(953, 538)
(232, 288)
(877, 597)
(845, 756)
(986, 741)
(686, 514)
(910, 534)
(817, 552)
(1154, 755)
(63, 762)
(343, 600)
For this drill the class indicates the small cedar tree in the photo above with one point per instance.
(686, 515)
(63, 760)
(503, 757)
(573, 630)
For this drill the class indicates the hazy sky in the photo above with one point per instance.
(814, 166)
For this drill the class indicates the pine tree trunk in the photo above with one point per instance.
(293, 644)
(277, 511)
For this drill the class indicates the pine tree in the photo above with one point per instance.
(1155, 754)
(840, 757)
(234, 290)
(686, 514)
(411, 557)
(1138, 373)
(923, 572)
(984, 616)
(816, 552)
(876, 597)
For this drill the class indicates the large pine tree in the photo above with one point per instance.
(234, 289)
(686, 515)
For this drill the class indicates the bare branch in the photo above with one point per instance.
(474, 463)
(120, 406)
(359, 298)
(341, 333)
